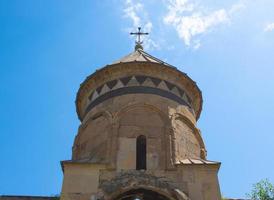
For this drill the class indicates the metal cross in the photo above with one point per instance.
(139, 33)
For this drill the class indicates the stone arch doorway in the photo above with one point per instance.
(141, 194)
(126, 185)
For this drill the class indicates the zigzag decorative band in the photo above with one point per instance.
(137, 90)
(138, 84)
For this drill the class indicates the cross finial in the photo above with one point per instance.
(138, 42)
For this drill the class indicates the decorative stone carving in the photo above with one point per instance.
(126, 180)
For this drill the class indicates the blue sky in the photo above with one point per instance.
(47, 48)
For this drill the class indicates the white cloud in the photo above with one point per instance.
(187, 17)
(269, 27)
(237, 7)
(135, 11)
(131, 9)
(190, 20)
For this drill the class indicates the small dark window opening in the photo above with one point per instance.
(141, 153)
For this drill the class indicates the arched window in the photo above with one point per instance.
(141, 152)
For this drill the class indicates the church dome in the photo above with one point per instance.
(139, 67)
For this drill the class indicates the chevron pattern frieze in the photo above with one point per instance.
(139, 80)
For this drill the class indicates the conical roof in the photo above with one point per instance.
(140, 55)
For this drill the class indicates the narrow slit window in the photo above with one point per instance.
(141, 151)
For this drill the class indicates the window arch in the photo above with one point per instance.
(141, 151)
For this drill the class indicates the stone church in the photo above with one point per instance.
(138, 138)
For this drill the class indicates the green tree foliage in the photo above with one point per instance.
(262, 190)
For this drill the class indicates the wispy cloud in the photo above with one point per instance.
(134, 10)
(191, 20)
(131, 11)
(269, 27)
(237, 7)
